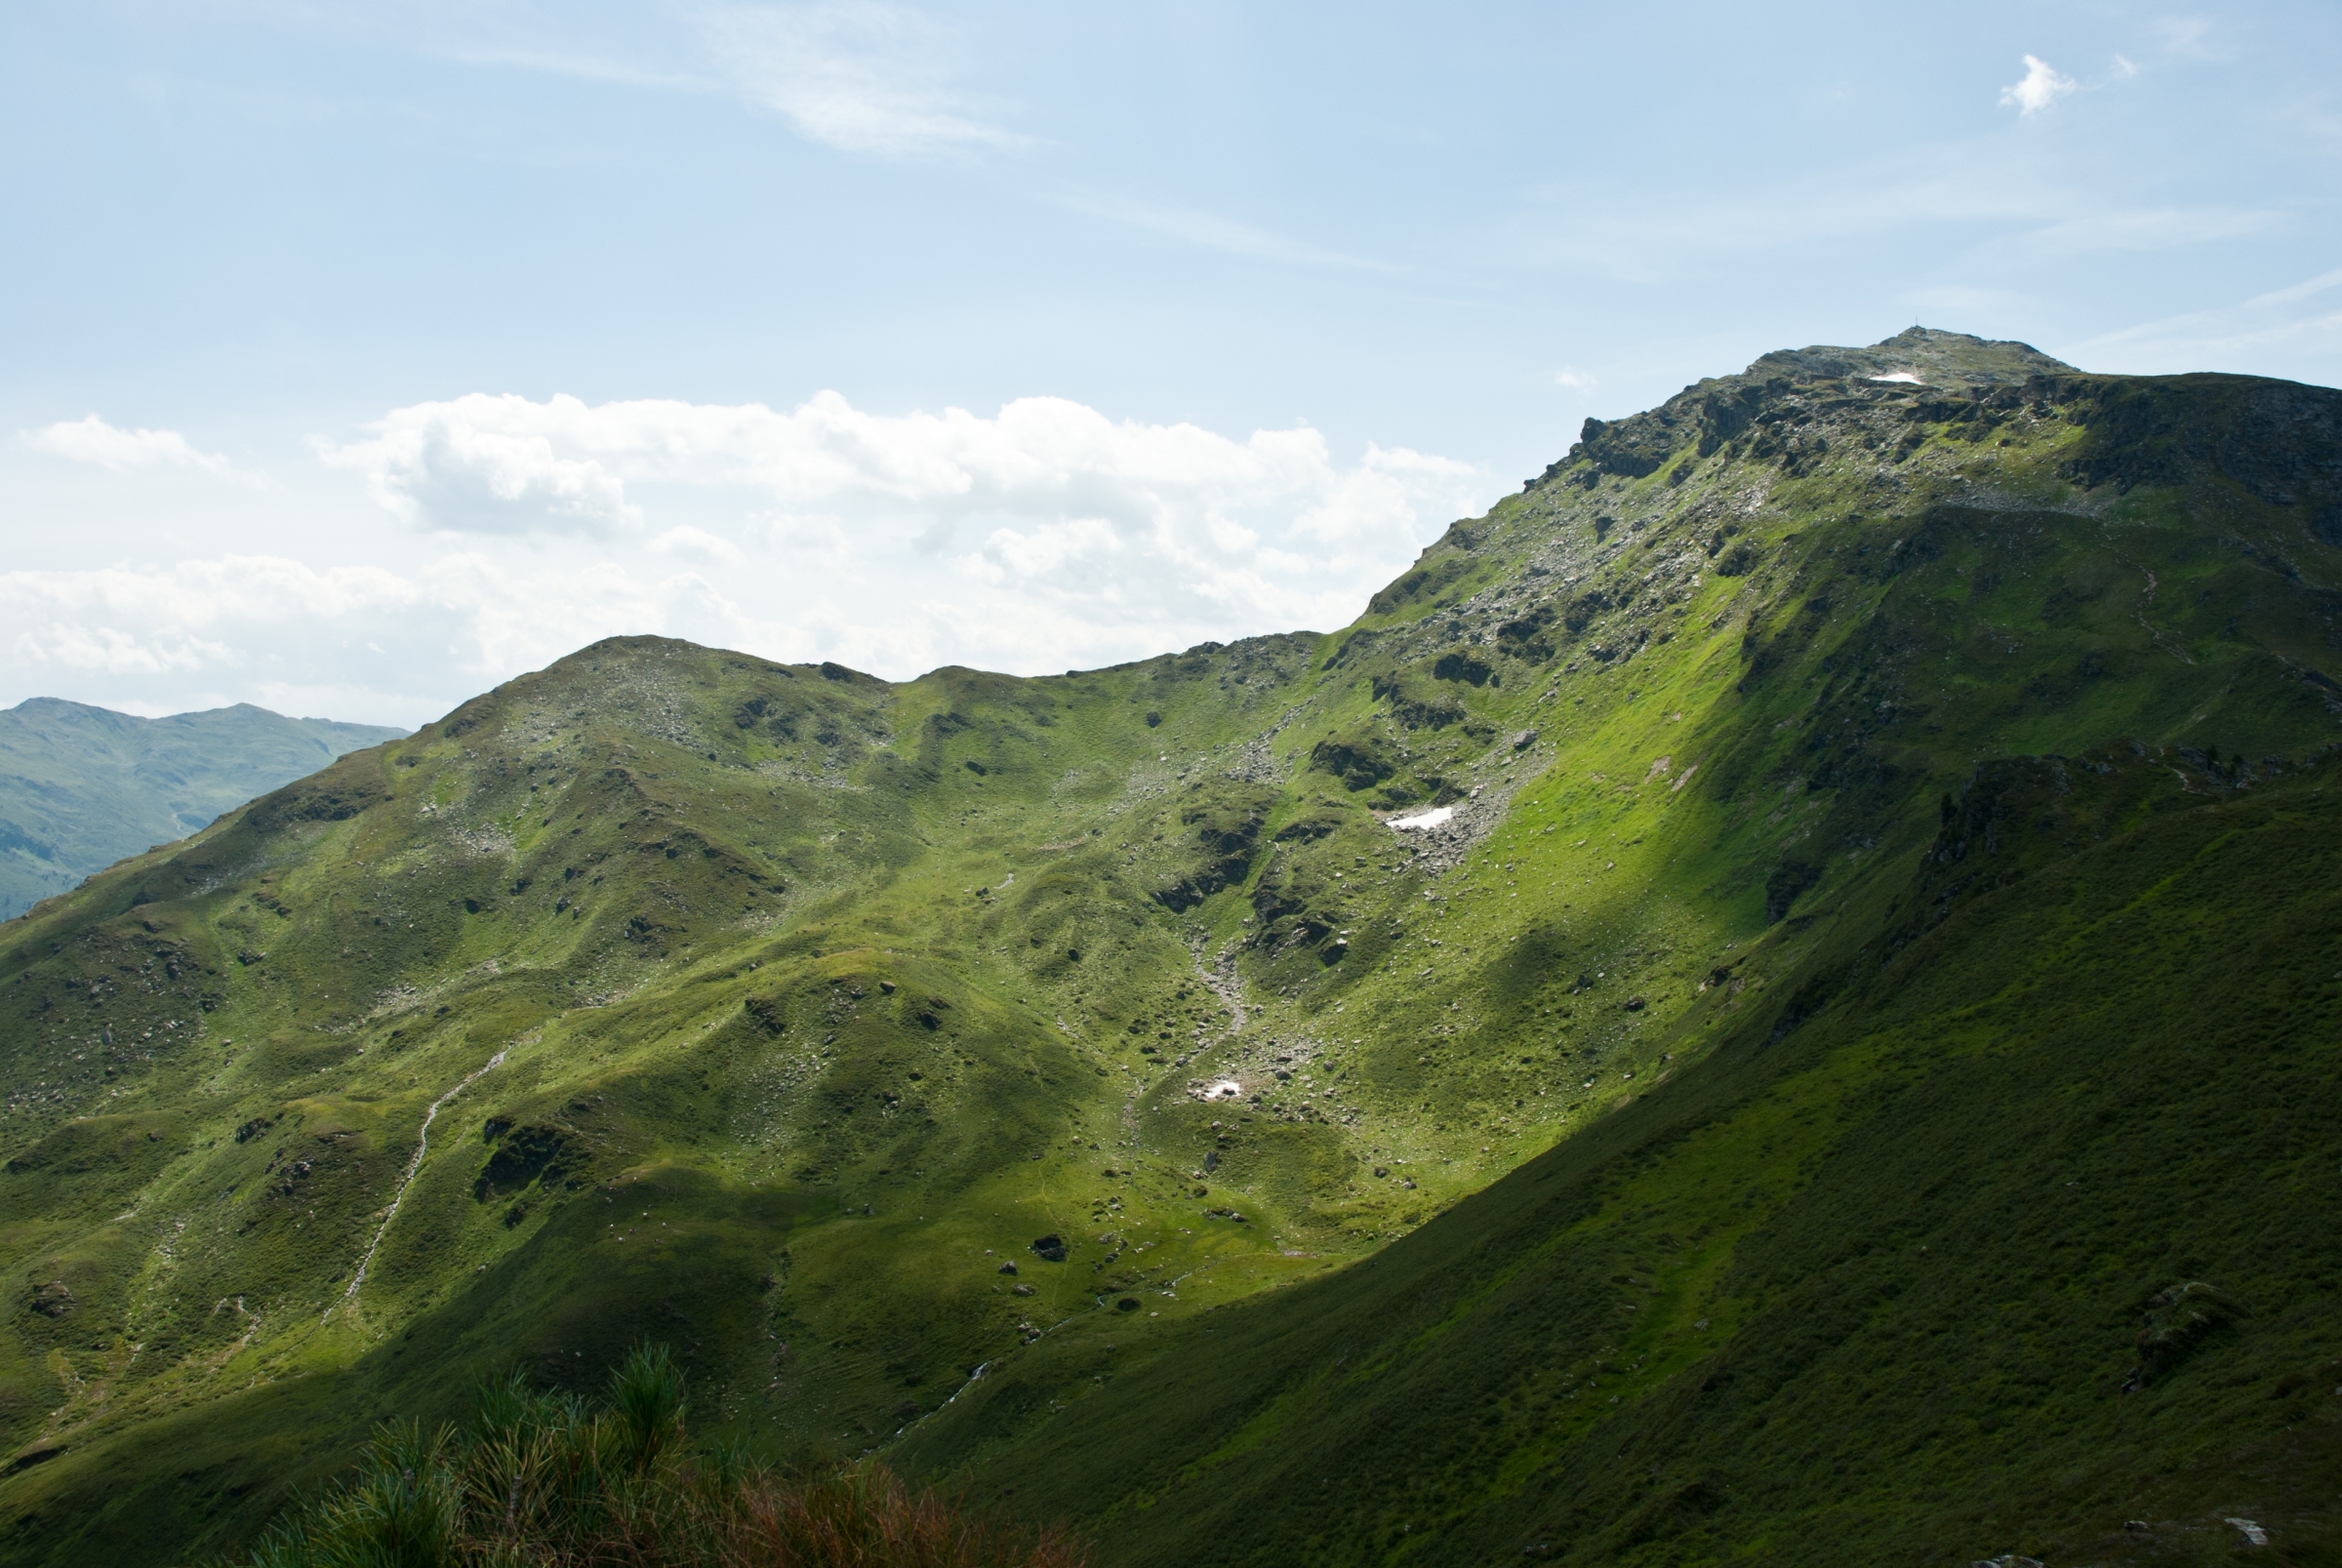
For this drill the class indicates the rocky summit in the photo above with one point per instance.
(1773, 998)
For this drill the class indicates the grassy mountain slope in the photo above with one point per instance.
(1869, 1287)
(81, 787)
(777, 1011)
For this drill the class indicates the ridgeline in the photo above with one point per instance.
(1773, 997)
(81, 787)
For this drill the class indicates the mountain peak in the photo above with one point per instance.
(1926, 356)
(1854, 845)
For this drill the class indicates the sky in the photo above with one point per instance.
(360, 356)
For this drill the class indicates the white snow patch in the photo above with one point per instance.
(1423, 821)
(1224, 1089)
(1897, 375)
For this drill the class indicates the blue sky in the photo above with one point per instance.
(361, 356)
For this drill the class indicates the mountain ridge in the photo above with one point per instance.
(777, 1010)
(82, 786)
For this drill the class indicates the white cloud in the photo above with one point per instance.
(855, 75)
(699, 543)
(90, 439)
(1048, 482)
(2042, 86)
(1576, 380)
(1046, 536)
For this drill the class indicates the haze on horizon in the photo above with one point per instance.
(365, 356)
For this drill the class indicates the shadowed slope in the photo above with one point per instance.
(777, 1011)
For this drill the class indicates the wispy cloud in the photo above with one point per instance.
(2296, 331)
(1995, 199)
(1216, 234)
(854, 74)
(2184, 36)
(862, 76)
(90, 439)
(2042, 86)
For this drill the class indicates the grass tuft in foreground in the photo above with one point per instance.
(543, 1479)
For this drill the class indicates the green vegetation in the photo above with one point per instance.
(81, 787)
(1815, 921)
(539, 1481)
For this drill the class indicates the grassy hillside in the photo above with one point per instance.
(1609, 961)
(81, 787)
(2010, 1228)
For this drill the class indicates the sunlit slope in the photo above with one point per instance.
(2011, 1227)
(772, 1010)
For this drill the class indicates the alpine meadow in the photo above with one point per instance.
(1776, 998)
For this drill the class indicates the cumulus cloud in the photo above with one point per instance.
(356, 642)
(2041, 85)
(1173, 519)
(699, 543)
(490, 464)
(90, 439)
(1046, 536)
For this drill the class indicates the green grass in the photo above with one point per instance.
(537, 1479)
(1873, 1288)
(813, 1001)
(81, 787)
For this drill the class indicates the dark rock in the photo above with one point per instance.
(1462, 668)
(1050, 1249)
(1010, 1266)
(1738, 561)
(1782, 887)
(548, 1156)
(1524, 740)
(1128, 1303)
(1359, 758)
(2174, 1325)
(53, 1299)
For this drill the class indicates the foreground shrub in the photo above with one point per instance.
(543, 1480)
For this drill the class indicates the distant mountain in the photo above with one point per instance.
(81, 787)
(1777, 998)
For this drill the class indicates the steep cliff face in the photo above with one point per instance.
(1670, 875)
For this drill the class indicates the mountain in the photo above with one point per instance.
(1773, 997)
(81, 787)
